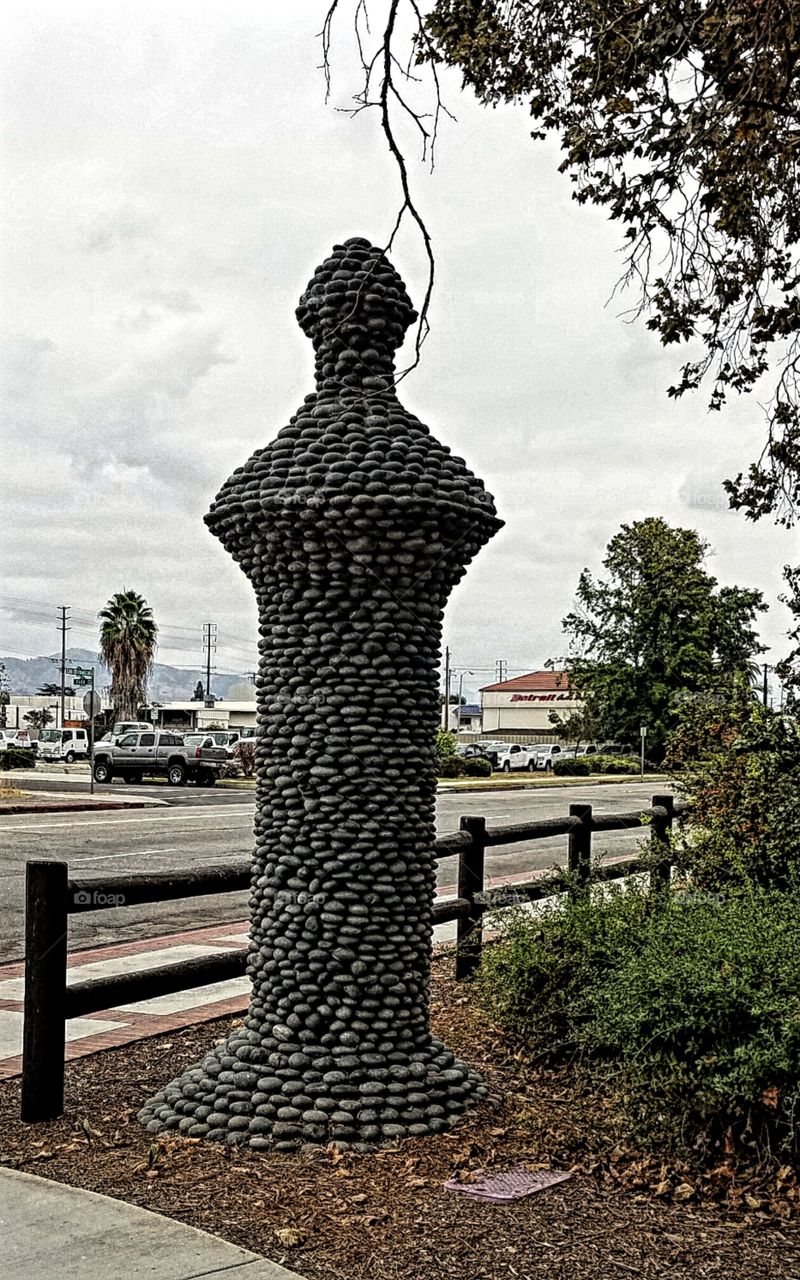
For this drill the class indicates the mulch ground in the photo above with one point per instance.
(387, 1216)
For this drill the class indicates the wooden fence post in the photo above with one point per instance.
(579, 848)
(44, 1037)
(661, 872)
(469, 931)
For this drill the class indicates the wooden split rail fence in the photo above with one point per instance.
(52, 897)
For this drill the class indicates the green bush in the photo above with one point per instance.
(695, 1008)
(17, 758)
(738, 766)
(451, 767)
(534, 980)
(477, 767)
(705, 1020)
(572, 767)
(445, 743)
(613, 764)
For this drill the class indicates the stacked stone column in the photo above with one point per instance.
(353, 525)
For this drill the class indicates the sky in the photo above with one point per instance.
(171, 177)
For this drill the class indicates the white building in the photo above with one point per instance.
(225, 714)
(523, 706)
(20, 704)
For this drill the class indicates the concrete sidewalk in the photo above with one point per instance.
(48, 1230)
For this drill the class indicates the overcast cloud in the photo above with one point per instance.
(171, 179)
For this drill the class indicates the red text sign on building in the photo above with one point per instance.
(540, 697)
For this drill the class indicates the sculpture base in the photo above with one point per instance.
(362, 1101)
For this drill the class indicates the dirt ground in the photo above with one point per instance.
(387, 1215)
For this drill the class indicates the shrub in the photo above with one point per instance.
(696, 1006)
(706, 1019)
(534, 980)
(739, 769)
(17, 758)
(445, 743)
(477, 767)
(572, 767)
(612, 764)
(452, 767)
(245, 754)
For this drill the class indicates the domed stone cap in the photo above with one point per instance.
(352, 451)
(356, 294)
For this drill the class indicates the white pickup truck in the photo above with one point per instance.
(545, 754)
(514, 756)
(137, 754)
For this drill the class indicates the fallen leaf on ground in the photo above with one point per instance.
(290, 1236)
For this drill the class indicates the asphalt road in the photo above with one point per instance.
(203, 828)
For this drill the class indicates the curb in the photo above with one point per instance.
(79, 806)
(598, 780)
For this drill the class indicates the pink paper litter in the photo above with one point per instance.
(512, 1184)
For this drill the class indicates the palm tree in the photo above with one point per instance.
(128, 637)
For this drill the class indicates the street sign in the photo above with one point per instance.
(91, 704)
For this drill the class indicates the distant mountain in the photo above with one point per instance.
(168, 684)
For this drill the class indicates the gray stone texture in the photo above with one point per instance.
(353, 526)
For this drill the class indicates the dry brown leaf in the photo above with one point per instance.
(663, 1188)
(290, 1236)
(752, 1202)
(684, 1191)
(770, 1097)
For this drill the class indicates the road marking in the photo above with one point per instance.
(106, 857)
(121, 822)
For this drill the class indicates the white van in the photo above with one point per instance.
(63, 744)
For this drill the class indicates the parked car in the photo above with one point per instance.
(516, 756)
(617, 749)
(126, 726)
(491, 748)
(63, 744)
(171, 755)
(546, 753)
(223, 738)
(19, 738)
(472, 751)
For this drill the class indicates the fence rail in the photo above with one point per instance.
(51, 897)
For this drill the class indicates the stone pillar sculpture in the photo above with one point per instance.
(353, 526)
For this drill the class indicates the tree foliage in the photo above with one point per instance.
(39, 718)
(128, 637)
(680, 118)
(788, 669)
(655, 632)
(52, 690)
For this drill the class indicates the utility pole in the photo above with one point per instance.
(500, 669)
(209, 642)
(446, 707)
(64, 609)
(764, 689)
